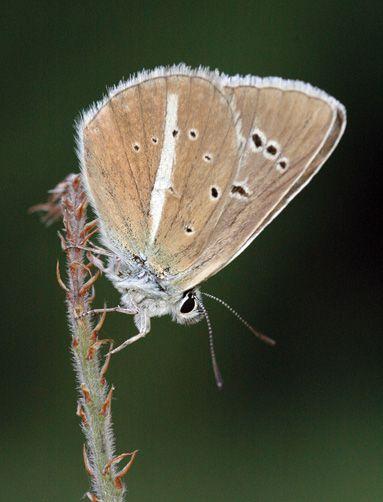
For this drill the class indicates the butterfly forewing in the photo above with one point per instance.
(185, 167)
(288, 133)
(322, 155)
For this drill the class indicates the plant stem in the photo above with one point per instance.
(94, 405)
(69, 201)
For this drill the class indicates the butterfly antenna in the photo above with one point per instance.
(261, 336)
(217, 373)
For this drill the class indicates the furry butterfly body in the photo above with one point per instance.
(184, 168)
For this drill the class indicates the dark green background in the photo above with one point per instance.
(301, 422)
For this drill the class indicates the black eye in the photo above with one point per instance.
(188, 305)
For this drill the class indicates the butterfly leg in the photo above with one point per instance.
(127, 342)
(118, 308)
(142, 321)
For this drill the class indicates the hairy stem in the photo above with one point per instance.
(94, 406)
(68, 200)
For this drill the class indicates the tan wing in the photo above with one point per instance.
(290, 129)
(206, 159)
(159, 157)
(120, 144)
(179, 180)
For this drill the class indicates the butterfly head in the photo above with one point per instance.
(187, 310)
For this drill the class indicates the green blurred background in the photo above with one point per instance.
(301, 422)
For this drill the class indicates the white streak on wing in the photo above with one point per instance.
(164, 172)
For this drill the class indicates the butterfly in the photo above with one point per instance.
(185, 167)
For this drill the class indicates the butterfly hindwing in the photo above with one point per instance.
(119, 161)
(159, 157)
(206, 156)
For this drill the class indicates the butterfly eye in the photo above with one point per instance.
(188, 305)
